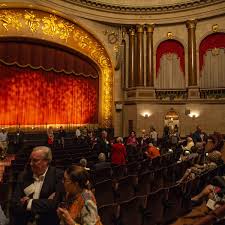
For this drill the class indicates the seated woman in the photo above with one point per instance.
(80, 206)
(152, 152)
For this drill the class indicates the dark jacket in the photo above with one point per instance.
(43, 209)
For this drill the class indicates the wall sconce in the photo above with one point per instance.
(146, 114)
(194, 115)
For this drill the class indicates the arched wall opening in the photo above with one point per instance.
(49, 28)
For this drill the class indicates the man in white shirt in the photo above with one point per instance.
(38, 191)
(78, 135)
(3, 142)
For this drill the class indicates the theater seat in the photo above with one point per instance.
(125, 188)
(104, 192)
(155, 207)
(132, 211)
(109, 214)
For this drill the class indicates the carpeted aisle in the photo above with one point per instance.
(196, 213)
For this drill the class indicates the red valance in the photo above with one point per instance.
(216, 40)
(170, 46)
(46, 57)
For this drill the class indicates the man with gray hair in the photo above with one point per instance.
(102, 164)
(38, 191)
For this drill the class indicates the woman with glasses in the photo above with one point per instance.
(79, 207)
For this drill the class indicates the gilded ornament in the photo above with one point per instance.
(215, 28)
(9, 18)
(191, 24)
(169, 35)
(97, 53)
(32, 21)
(54, 28)
(215, 51)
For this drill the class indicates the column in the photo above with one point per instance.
(140, 56)
(192, 64)
(149, 55)
(131, 81)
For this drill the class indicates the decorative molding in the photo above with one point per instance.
(216, 93)
(171, 95)
(126, 15)
(143, 10)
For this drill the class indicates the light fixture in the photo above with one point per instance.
(194, 115)
(146, 114)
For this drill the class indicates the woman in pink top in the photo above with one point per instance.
(132, 140)
(118, 152)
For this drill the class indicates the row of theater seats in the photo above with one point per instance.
(161, 206)
(141, 182)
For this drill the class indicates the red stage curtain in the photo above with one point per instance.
(170, 46)
(216, 40)
(37, 97)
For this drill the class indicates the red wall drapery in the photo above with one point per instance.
(170, 46)
(216, 40)
(37, 97)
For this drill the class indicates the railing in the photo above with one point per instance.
(213, 93)
(171, 94)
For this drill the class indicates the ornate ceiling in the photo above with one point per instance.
(143, 6)
(128, 11)
(141, 3)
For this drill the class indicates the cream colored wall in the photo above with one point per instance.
(211, 117)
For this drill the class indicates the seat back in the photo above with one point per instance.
(132, 211)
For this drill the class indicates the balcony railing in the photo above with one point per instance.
(212, 93)
(171, 94)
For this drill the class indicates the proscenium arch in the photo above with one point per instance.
(20, 23)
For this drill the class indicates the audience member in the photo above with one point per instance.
(131, 144)
(174, 136)
(144, 139)
(189, 145)
(214, 193)
(79, 207)
(78, 135)
(83, 162)
(50, 135)
(119, 153)
(153, 136)
(199, 136)
(103, 144)
(3, 142)
(18, 140)
(37, 191)
(102, 164)
(61, 137)
(3, 219)
(152, 151)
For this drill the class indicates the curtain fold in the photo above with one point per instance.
(37, 97)
(170, 73)
(213, 70)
